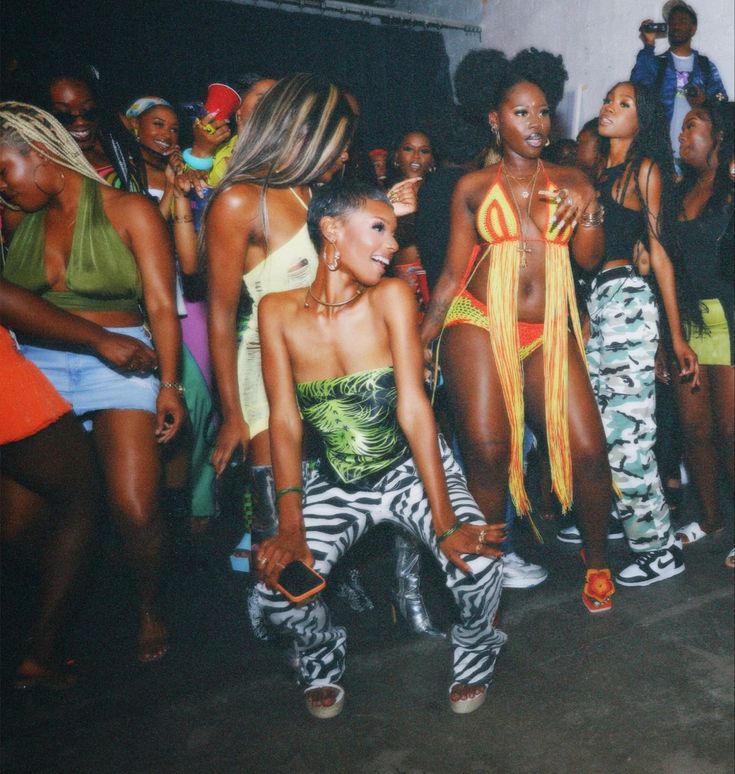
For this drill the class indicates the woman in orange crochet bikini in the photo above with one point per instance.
(510, 311)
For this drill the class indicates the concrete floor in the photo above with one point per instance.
(645, 688)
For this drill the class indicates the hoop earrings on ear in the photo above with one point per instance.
(335, 260)
(42, 189)
(547, 143)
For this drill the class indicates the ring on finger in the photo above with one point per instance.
(570, 201)
(483, 533)
(562, 193)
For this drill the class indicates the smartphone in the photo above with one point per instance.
(192, 109)
(298, 582)
(660, 28)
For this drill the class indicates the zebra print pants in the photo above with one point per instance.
(336, 518)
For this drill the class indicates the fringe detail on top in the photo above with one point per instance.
(502, 301)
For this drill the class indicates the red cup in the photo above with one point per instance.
(222, 101)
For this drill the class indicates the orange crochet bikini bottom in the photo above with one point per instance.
(465, 309)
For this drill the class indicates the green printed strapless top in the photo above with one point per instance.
(355, 416)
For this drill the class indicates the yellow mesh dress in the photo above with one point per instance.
(292, 265)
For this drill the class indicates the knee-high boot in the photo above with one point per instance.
(265, 525)
(407, 594)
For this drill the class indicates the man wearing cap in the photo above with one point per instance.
(683, 77)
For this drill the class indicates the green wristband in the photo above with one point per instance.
(450, 531)
(286, 490)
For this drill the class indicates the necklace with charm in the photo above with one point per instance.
(523, 248)
(525, 193)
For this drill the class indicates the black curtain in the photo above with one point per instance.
(174, 49)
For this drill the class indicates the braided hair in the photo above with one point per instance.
(24, 126)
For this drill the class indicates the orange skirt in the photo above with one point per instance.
(28, 401)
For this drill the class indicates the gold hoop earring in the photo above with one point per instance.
(335, 261)
(43, 190)
(547, 143)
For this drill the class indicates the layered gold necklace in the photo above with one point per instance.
(527, 194)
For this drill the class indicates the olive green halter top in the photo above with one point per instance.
(101, 274)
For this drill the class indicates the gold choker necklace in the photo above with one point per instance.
(309, 294)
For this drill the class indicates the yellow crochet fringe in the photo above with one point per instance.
(561, 307)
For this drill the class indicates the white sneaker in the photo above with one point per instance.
(520, 574)
(652, 567)
(615, 530)
(572, 535)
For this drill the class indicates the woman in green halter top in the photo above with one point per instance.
(345, 354)
(101, 254)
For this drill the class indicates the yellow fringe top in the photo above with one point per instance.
(498, 225)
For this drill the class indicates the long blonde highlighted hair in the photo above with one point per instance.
(296, 133)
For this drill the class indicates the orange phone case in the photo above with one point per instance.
(310, 593)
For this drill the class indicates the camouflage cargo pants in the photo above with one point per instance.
(620, 353)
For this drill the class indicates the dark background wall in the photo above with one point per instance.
(174, 49)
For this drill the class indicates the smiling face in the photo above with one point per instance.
(524, 120)
(158, 129)
(414, 156)
(365, 240)
(618, 114)
(697, 146)
(21, 173)
(74, 106)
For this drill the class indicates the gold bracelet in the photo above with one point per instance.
(183, 220)
(178, 386)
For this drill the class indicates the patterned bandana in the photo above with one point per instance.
(145, 103)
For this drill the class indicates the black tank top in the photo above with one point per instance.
(699, 241)
(623, 226)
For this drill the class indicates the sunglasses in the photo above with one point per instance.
(67, 119)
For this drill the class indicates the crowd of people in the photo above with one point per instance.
(423, 336)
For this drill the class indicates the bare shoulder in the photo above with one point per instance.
(567, 177)
(647, 169)
(239, 202)
(392, 296)
(281, 306)
(129, 211)
(474, 185)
